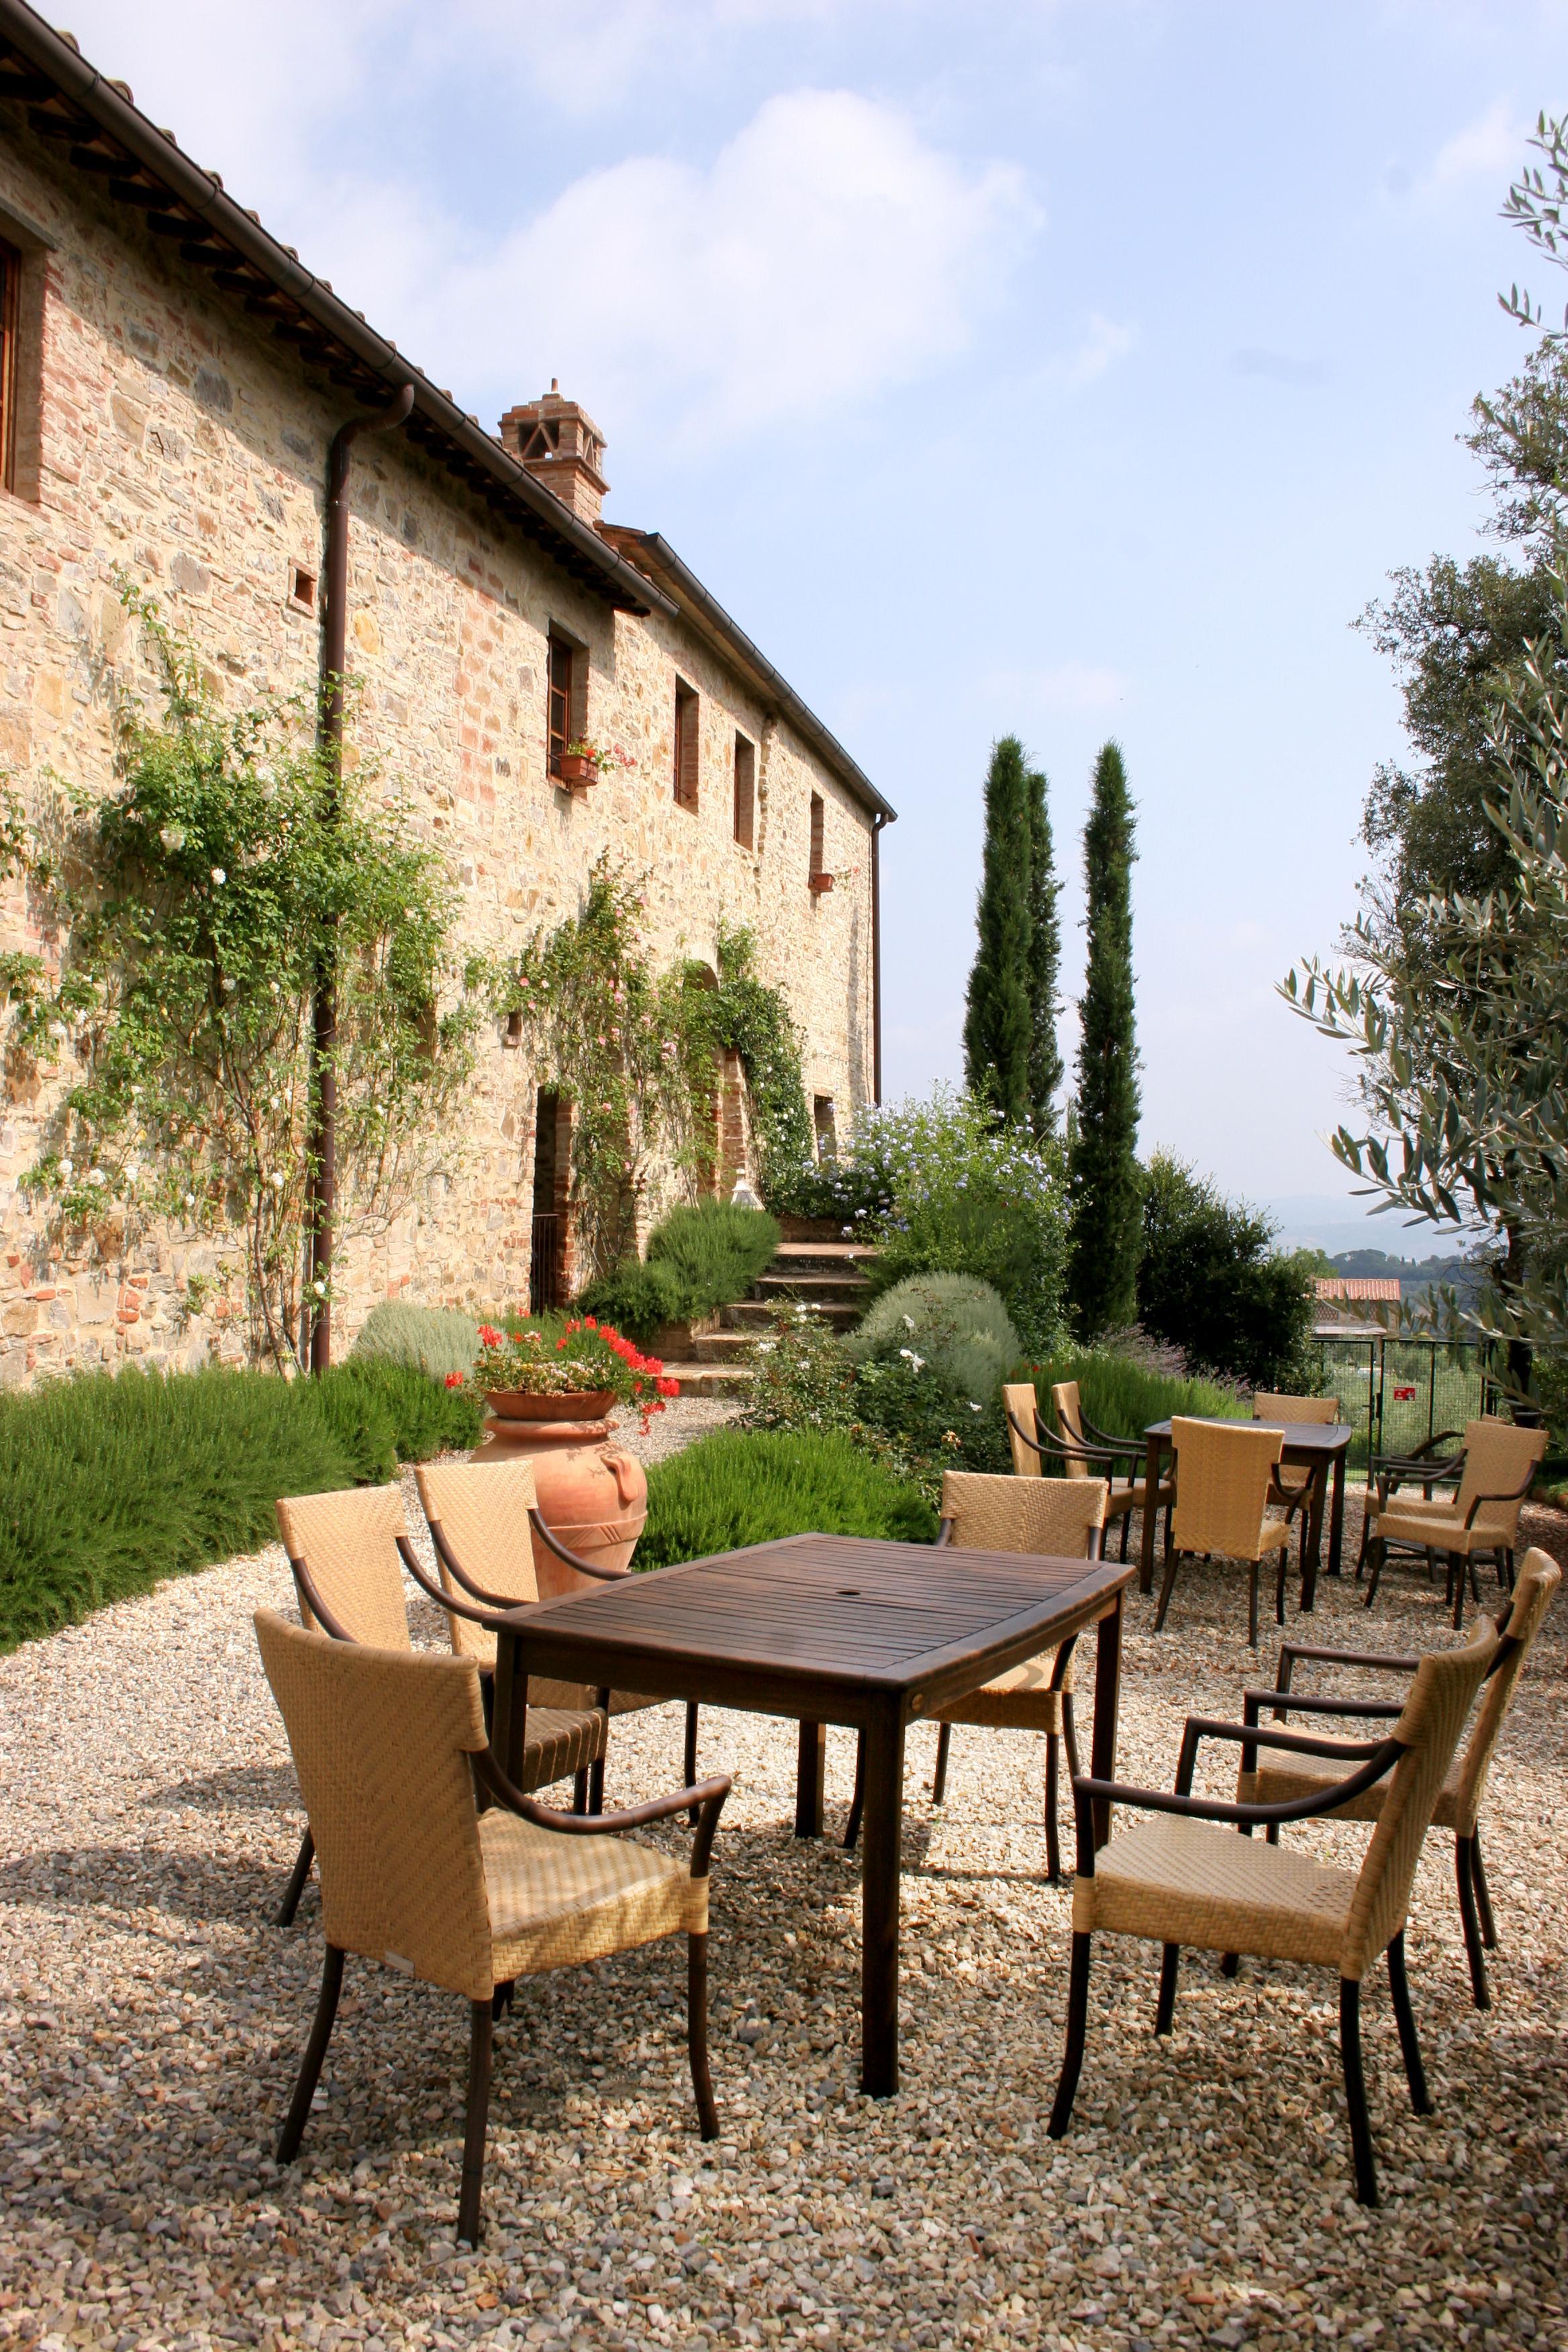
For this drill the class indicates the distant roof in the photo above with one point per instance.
(1359, 1285)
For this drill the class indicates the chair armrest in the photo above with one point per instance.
(707, 1796)
(1514, 1495)
(1314, 1703)
(1044, 1443)
(944, 1536)
(493, 1620)
(1253, 1736)
(1135, 1446)
(449, 1559)
(305, 1585)
(1087, 1792)
(572, 1558)
(1397, 1662)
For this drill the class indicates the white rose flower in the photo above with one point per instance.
(219, 876)
(67, 1168)
(276, 1181)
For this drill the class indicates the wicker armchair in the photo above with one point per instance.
(1225, 1484)
(388, 1745)
(1459, 1798)
(1075, 1455)
(1061, 1518)
(348, 1553)
(483, 1519)
(1499, 1465)
(1183, 1879)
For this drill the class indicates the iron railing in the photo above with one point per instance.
(544, 1265)
(1396, 1390)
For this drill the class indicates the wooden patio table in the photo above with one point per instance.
(828, 1629)
(1315, 1445)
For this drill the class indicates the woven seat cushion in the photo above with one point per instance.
(556, 1898)
(1020, 1700)
(1287, 1784)
(1183, 1882)
(1443, 1529)
(558, 1744)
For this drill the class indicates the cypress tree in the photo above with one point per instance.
(1105, 1191)
(1045, 958)
(996, 1017)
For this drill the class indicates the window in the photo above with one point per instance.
(745, 792)
(563, 698)
(687, 710)
(818, 859)
(10, 290)
(824, 1127)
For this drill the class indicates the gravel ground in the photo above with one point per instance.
(154, 2017)
(682, 1421)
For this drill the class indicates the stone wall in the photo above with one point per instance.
(180, 446)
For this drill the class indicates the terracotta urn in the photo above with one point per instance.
(592, 1494)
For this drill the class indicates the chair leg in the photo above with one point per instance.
(1457, 1569)
(1464, 1871)
(1483, 1897)
(1053, 1838)
(1279, 1583)
(297, 1877)
(939, 1778)
(1165, 2007)
(580, 1790)
(1126, 1524)
(597, 1786)
(697, 2033)
(857, 1801)
(501, 1999)
(693, 1711)
(1077, 2018)
(1229, 1964)
(1167, 1586)
(298, 2114)
(1404, 2018)
(1355, 2091)
(478, 2118)
(1252, 1602)
(1070, 1735)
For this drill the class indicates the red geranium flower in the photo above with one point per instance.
(490, 1337)
(454, 1379)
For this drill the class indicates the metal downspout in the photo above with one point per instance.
(321, 1194)
(877, 824)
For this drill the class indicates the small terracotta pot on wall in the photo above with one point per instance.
(592, 1494)
(577, 772)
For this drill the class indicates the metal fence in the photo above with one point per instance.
(544, 1265)
(1396, 1392)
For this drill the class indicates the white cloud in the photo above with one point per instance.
(1103, 343)
(828, 253)
(1492, 147)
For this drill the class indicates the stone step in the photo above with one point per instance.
(729, 1379)
(723, 1346)
(758, 1315)
(823, 1255)
(846, 1289)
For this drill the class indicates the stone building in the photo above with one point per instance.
(173, 378)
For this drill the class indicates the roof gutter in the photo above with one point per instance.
(655, 554)
(26, 32)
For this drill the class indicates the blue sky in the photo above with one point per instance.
(1071, 369)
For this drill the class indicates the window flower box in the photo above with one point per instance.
(818, 883)
(577, 772)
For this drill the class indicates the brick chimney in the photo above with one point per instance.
(563, 447)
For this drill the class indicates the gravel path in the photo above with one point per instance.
(154, 2017)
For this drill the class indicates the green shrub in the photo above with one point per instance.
(953, 1322)
(736, 1488)
(433, 1339)
(637, 1298)
(900, 1413)
(1122, 1397)
(698, 1259)
(108, 1484)
(1209, 1284)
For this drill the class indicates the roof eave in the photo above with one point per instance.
(437, 419)
(703, 610)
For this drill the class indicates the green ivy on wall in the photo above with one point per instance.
(182, 915)
(638, 1055)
